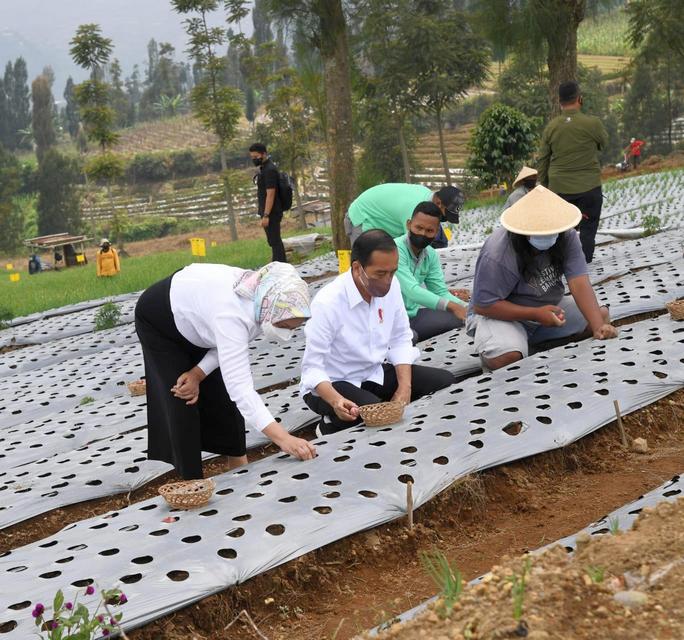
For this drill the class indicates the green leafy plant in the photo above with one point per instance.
(74, 621)
(597, 574)
(86, 400)
(519, 583)
(449, 580)
(107, 316)
(651, 224)
(614, 526)
(5, 316)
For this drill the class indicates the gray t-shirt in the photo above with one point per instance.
(520, 192)
(498, 277)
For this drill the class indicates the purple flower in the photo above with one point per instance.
(68, 606)
(38, 610)
(123, 599)
(105, 632)
(100, 618)
(112, 622)
(54, 624)
(90, 590)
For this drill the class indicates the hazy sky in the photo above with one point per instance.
(40, 30)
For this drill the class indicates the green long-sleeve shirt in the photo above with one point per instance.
(421, 279)
(569, 153)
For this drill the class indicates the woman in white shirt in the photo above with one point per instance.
(195, 327)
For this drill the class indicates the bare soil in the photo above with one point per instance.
(579, 597)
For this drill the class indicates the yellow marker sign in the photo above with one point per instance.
(9, 266)
(14, 277)
(214, 243)
(80, 258)
(447, 233)
(344, 259)
(198, 246)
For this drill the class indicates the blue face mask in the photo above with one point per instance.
(543, 243)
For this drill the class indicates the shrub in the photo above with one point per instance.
(107, 316)
(148, 167)
(185, 163)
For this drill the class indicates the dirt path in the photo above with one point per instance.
(345, 588)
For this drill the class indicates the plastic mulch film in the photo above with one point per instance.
(58, 351)
(278, 508)
(621, 519)
(61, 326)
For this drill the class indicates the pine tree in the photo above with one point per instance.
(58, 199)
(43, 115)
(20, 103)
(71, 109)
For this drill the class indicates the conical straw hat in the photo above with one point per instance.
(540, 213)
(525, 172)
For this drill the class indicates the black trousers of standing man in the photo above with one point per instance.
(589, 203)
(275, 241)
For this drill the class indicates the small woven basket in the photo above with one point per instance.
(381, 413)
(676, 309)
(188, 494)
(137, 387)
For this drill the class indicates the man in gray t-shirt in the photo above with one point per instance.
(518, 291)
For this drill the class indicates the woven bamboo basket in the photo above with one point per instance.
(188, 494)
(676, 309)
(137, 387)
(381, 413)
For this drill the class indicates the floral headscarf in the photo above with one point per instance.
(278, 293)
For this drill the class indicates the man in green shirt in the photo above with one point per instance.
(432, 309)
(569, 161)
(389, 207)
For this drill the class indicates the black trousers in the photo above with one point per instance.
(274, 239)
(177, 433)
(424, 380)
(428, 323)
(589, 203)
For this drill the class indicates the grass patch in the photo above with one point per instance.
(58, 288)
(604, 35)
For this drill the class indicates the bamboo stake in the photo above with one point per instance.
(623, 435)
(409, 503)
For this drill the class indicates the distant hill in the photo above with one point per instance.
(40, 30)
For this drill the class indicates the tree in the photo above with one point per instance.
(18, 103)
(59, 207)
(5, 139)
(11, 220)
(539, 25)
(71, 114)
(438, 75)
(91, 50)
(657, 24)
(324, 24)
(43, 116)
(216, 105)
(117, 95)
(501, 143)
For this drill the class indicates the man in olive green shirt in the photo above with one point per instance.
(569, 161)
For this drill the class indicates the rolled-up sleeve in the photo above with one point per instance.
(320, 331)
(232, 339)
(401, 349)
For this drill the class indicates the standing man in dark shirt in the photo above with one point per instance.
(270, 208)
(569, 161)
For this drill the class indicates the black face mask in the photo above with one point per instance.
(419, 242)
(451, 215)
(257, 162)
(105, 248)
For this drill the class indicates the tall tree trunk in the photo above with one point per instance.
(404, 153)
(229, 198)
(301, 214)
(442, 147)
(340, 140)
(562, 43)
(669, 108)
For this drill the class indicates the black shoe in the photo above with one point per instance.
(325, 427)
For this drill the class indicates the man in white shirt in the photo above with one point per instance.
(359, 347)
